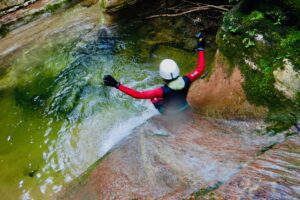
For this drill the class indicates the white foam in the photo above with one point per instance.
(57, 188)
(122, 130)
(26, 195)
(38, 175)
(21, 184)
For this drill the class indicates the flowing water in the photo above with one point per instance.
(56, 116)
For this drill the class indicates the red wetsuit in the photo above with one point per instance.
(158, 92)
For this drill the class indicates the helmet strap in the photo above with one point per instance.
(169, 81)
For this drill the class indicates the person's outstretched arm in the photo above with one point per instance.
(201, 59)
(149, 94)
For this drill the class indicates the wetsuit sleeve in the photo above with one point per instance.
(149, 94)
(199, 69)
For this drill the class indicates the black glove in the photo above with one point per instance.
(201, 42)
(110, 81)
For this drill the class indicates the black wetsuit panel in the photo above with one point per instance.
(175, 100)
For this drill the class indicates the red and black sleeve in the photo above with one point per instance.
(149, 94)
(199, 68)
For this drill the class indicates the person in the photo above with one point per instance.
(170, 98)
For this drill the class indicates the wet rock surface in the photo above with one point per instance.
(170, 159)
(41, 32)
(31, 10)
(26, 11)
(222, 95)
(274, 175)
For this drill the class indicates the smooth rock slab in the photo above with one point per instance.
(274, 175)
(171, 159)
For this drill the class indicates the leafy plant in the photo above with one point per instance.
(231, 23)
(248, 43)
(233, 29)
(253, 18)
(265, 66)
(251, 33)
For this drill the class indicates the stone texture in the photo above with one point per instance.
(45, 31)
(5, 4)
(274, 175)
(171, 158)
(116, 5)
(88, 3)
(287, 80)
(23, 14)
(26, 12)
(222, 95)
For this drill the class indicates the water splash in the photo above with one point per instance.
(95, 118)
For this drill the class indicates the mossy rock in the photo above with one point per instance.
(254, 37)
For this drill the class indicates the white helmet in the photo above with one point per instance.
(168, 69)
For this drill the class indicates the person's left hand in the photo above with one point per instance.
(201, 42)
(110, 81)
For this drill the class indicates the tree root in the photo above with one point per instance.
(187, 7)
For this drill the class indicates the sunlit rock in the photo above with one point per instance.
(252, 65)
(116, 5)
(287, 80)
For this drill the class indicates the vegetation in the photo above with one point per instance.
(205, 191)
(263, 36)
(266, 148)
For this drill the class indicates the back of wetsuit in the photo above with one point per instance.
(174, 100)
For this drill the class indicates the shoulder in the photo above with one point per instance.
(165, 89)
(187, 80)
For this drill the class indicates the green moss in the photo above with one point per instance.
(265, 149)
(253, 18)
(279, 42)
(103, 4)
(53, 7)
(290, 47)
(205, 191)
(232, 23)
(57, 5)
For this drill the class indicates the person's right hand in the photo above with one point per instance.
(201, 42)
(110, 81)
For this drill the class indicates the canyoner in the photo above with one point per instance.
(66, 135)
(170, 98)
